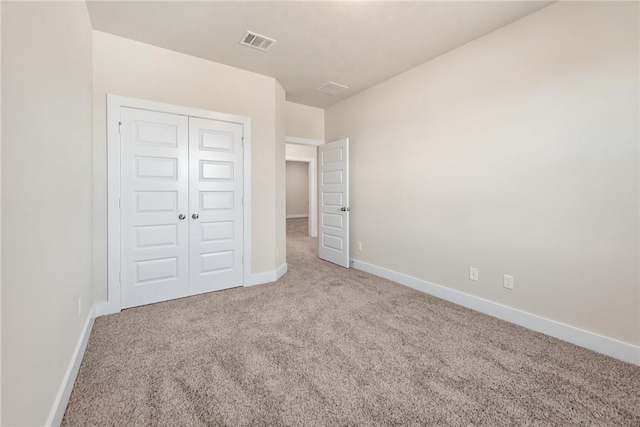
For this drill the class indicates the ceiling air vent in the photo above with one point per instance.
(332, 88)
(257, 41)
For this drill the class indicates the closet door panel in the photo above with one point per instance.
(216, 211)
(154, 192)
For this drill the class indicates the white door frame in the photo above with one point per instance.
(114, 103)
(302, 141)
(313, 190)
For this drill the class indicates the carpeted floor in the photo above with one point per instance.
(330, 346)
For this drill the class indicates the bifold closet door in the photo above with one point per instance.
(154, 207)
(216, 191)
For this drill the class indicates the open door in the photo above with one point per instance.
(333, 171)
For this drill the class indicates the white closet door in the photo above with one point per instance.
(154, 193)
(216, 190)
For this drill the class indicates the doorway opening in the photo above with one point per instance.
(301, 190)
(328, 189)
(298, 190)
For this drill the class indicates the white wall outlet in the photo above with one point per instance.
(508, 281)
(79, 306)
(473, 273)
(359, 246)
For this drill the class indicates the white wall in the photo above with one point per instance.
(46, 196)
(304, 121)
(297, 189)
(516, 154)
(129, 68)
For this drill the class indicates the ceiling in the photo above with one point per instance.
(354, 43)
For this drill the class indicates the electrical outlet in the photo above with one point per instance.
(473, 274)
(359, 246)
(79, 306)
(508, 281)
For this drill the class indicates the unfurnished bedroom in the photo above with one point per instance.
(320, 213)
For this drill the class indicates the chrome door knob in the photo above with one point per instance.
(181, 217)
(195, 216)
(344, 209)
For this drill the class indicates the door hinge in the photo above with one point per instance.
(243, 141)
(119, 203)
(242, 200)
(119, 277)
(242, 259)
(119, 127)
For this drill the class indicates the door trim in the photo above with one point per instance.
(313, 192)
(302, 141)
(114, 104)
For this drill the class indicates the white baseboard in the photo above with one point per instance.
(282, 270)
(598, 343)
(103, 308)
(297, 216)
(267, 277)
(69, 379)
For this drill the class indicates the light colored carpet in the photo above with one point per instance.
(330, 346)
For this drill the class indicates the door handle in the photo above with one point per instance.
(181, 217)
(195, 216)
(344, 209)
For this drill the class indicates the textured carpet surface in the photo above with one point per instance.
(330, 346)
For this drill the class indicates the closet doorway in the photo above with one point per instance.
(179, 216)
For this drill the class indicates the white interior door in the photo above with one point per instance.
(216, 204)
(154, 198)
(333, 236)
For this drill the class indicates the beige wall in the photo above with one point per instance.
(516, 154)
(129, 68)
(0, 214)
(298, 150)
(46, 196)
(280, 183)
(304, 121)
(297, 188)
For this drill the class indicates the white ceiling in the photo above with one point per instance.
(355, 43)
